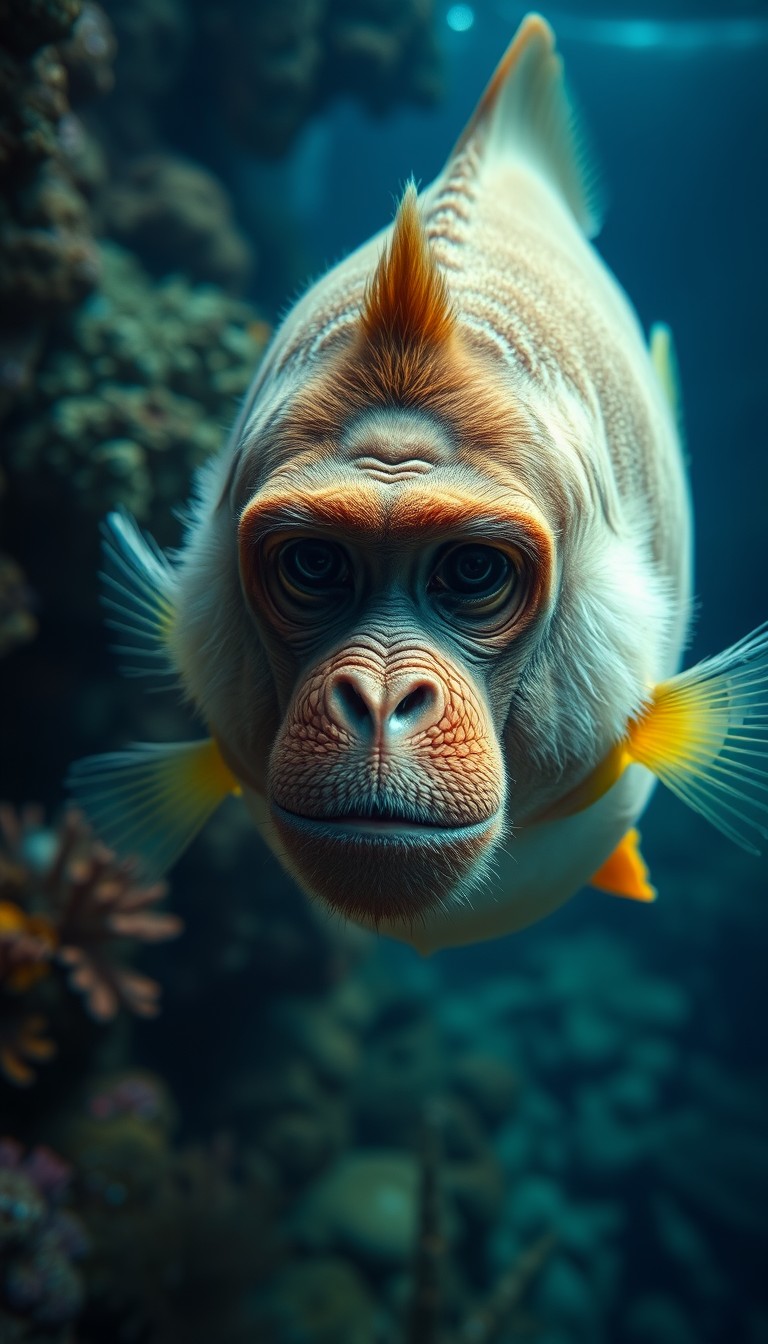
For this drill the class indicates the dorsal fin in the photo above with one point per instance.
(407, 300)
(526, 113)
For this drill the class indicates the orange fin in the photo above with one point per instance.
(624, 873)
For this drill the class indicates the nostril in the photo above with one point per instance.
(351, 703)
(415, 702)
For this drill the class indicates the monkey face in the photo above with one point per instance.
(386, 778)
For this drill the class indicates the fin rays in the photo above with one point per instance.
(138, 595)
(150, 801)
(705, 735)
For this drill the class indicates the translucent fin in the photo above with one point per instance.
(625, 872)
(526, 112)
(138, 594)
(150, 801)
(705, 735)
(664, 360)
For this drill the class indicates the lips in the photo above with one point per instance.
(378, 825)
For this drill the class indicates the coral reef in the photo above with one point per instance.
(177, 217)
(138, 395)
(68, 907)
(41, 1242)
(48, 258)
(191, 1232)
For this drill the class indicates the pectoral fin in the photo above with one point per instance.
(625, 872)
(704, 734)
(138, 594)
(150, 801)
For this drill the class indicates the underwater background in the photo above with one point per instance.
(322, 1138)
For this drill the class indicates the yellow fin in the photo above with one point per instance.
(150, 801)
(664, 360)
(625, 873)
(704, 734)
(527, 113)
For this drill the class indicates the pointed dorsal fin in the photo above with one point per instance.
(407, 302)
(527, 113)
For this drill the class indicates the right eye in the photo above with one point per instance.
(314, 567)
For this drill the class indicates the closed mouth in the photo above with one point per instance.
(380, 826)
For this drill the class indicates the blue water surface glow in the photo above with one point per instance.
(460, 18)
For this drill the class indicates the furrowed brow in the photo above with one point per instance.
(361, 511)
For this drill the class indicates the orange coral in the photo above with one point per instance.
(23, 1042)
(67, 903)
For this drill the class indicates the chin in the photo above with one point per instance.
(379, 872)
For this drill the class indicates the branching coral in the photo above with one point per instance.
(67, 905)
(99, 906)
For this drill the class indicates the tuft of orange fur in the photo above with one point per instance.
(407, 301)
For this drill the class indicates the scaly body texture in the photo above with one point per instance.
(435, 591)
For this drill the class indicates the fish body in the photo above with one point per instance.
(472, 377)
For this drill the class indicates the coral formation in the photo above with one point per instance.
(136, 397)
(177, 217)
(191, 1233)
(48, 258)
(66, 905)
(41, 1243)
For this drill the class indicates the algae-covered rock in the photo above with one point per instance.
(321, 1301)
(136, 393)
(366, 1205)
(177, 216)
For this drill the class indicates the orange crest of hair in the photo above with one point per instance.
(407, 302)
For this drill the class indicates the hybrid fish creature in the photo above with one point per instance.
(434, 593)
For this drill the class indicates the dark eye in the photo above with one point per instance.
(314, 565)
(475, 572)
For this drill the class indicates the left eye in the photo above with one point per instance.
(474, 572)
(314, 566)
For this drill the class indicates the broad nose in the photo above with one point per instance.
(371, 709)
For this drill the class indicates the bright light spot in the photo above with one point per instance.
(460, 18)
